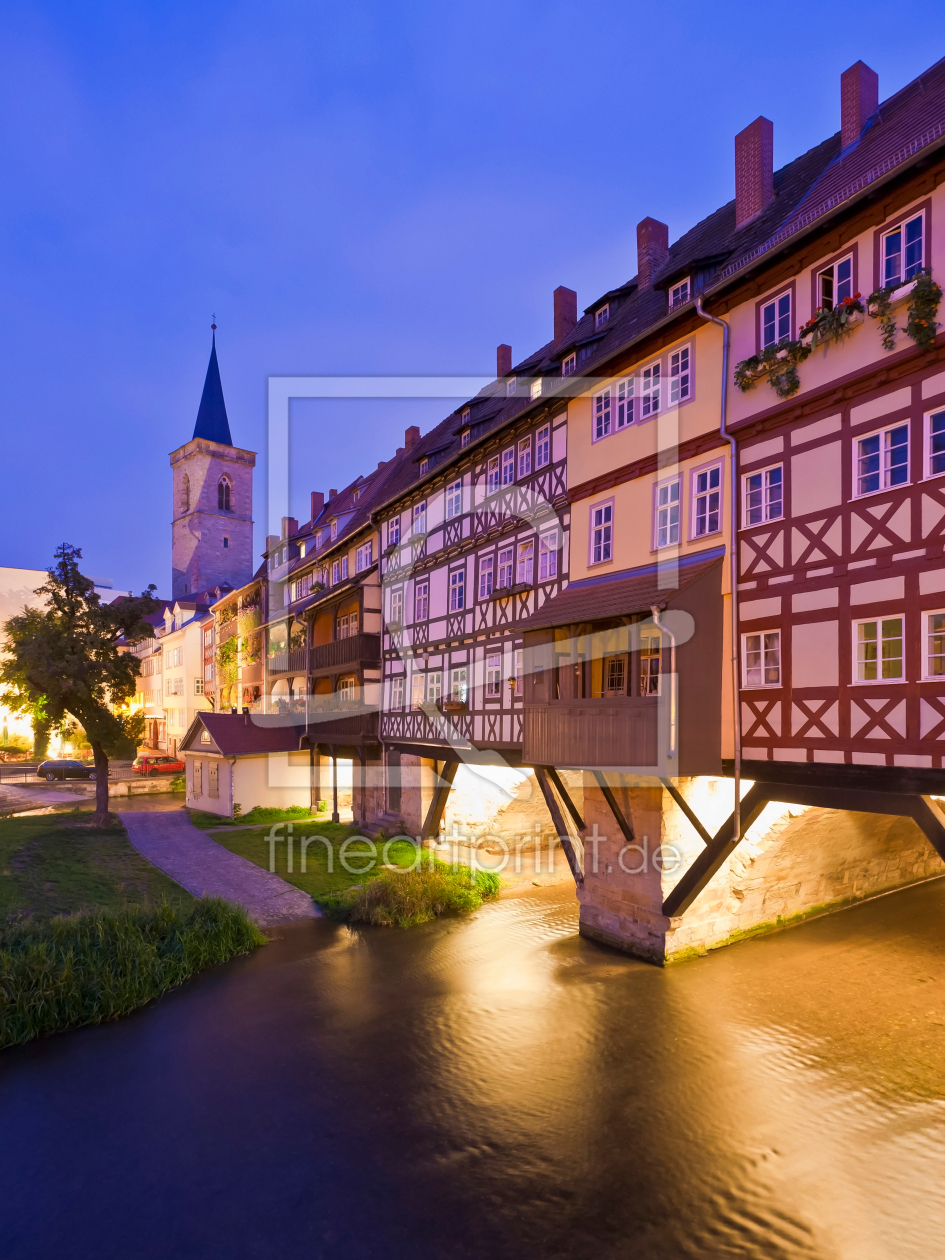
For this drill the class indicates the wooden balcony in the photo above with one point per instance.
(342, 723)
(359, 649)
(294, 661)
(594, 733)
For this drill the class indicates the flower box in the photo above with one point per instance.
(454, 706)
(394, 627)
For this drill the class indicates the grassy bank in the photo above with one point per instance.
(62, 973)
(257, 815)
(350, 876)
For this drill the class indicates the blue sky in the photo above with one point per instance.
(367, 188)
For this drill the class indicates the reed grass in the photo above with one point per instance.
(407, 898)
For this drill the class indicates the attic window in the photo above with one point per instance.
(535, 389)
(679, 294)
(465, 436)
(334, 530)
(205, 737)
(511, 385)
(465, 416)
(569, 366)
(603, 315)
(424, 464)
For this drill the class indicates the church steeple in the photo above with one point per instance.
(212, 423)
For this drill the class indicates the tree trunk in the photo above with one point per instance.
(101, 817)
(40, 738)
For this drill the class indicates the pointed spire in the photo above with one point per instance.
(212, 423)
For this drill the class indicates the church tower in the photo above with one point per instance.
(212, 516)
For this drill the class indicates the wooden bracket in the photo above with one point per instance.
(625, 824)
(431, 824)
(555, 778)
(680, 800)
(570, 852)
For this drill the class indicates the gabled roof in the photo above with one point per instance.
(242, 734)
(212, 423)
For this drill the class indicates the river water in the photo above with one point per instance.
(495, 1086)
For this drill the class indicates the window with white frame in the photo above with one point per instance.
(935, 443)
(903, 251)
(465, 437)
(548, 556)
(667, 513)
(458, 688)
(526, 561)
(454, 500)
(679, 376)
(761, 659)
(625, 401)
(508, 466)
(525, 457)
(396, 608)
(569, 365)
(434, 687)
(421, 601)
(334, 530)
(348, 625)
(493, 474)
(393, 531)
(877, 646)
(493, 674)
(335, 572)
(601, 414)
(397, 692)
(486, 575)
(776, 320)
(418, 691)
(707, 501)
(543, 446)
(679, 293)
(650, 656)
(457, 590)
(763, 495)
(424, 464)
(173, 686)
(650, 390)
(198, 686)
(602, 533)
(882, 460)
(344, 568)
(419, 518)
(511, 385)
(835, 283)
(506, 562)
(934, 645)
(602, 315)
(363, 559)
(534, 390)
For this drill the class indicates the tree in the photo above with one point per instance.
(66, 657)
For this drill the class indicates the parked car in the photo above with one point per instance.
(65, 769)
(157, 765)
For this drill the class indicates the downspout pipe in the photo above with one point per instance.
(733, 561)
(664, 629)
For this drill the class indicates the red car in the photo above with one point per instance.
(157, 765)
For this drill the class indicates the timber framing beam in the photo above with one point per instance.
(562, 791)
(625, 824)
(683, 804)
(431, 824)
(561, 827)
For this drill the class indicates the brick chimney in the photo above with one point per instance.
(271, 541)
(503, 360)
(332, 494)
(652, 250)
(565, 312)
(318, 502)
(754, 169)
(290, 526)
(859, 98)
(411, 436)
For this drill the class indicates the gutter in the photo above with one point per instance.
(733, 562)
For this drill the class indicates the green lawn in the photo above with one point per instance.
(58, 864)
(295, 813)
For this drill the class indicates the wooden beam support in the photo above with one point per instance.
(625, 824)
(680, 800)
(555, 778)
(431, 824)
(931, 818)
(717, 850)
(548, 792)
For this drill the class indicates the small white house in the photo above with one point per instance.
(246, 759)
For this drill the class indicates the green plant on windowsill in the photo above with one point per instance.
(826, 326)
(879, 307)
(777, 362)
(925, 296)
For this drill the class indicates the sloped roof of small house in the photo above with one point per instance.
(243, 734)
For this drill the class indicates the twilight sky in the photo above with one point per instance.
(358, 188)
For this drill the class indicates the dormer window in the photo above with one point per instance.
(424, 464)
(511, 385)
(535, 389)
(679, 294)
(464, 416)
(569, 366)
(465, 437)
(602, 316)
(334, 530)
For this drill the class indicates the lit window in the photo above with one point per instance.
(526, 561)
(603, 315)
(935, 645)
(464, 437)
(486, 575)
(936, 444)
(505, 567)
(602, 527)
(511, 385)
(834, 284)
(421, 601)
(548, 556)
(878, 649)
(679, 377)
(667, 513)
(903, 252)
(393, 531)
(493, 675)
(418, 691)
(397, 693)
(679, 294)
(458, 685)
(525, 457)
(508, 466)
(650, 652)
(543, 446)
(420, 518)
(454, 499)
(601, 414)
(625, 402)
(706, 501)
(764, 495)
(651, 390)
(882, 460)
(569, 365)
(776, 320)
(761, 657)
(458, 590)
(615, 675)
(493, 475)
(534, 389)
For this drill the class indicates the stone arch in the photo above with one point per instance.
(224, 494)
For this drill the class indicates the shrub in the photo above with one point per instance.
(407, 898)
